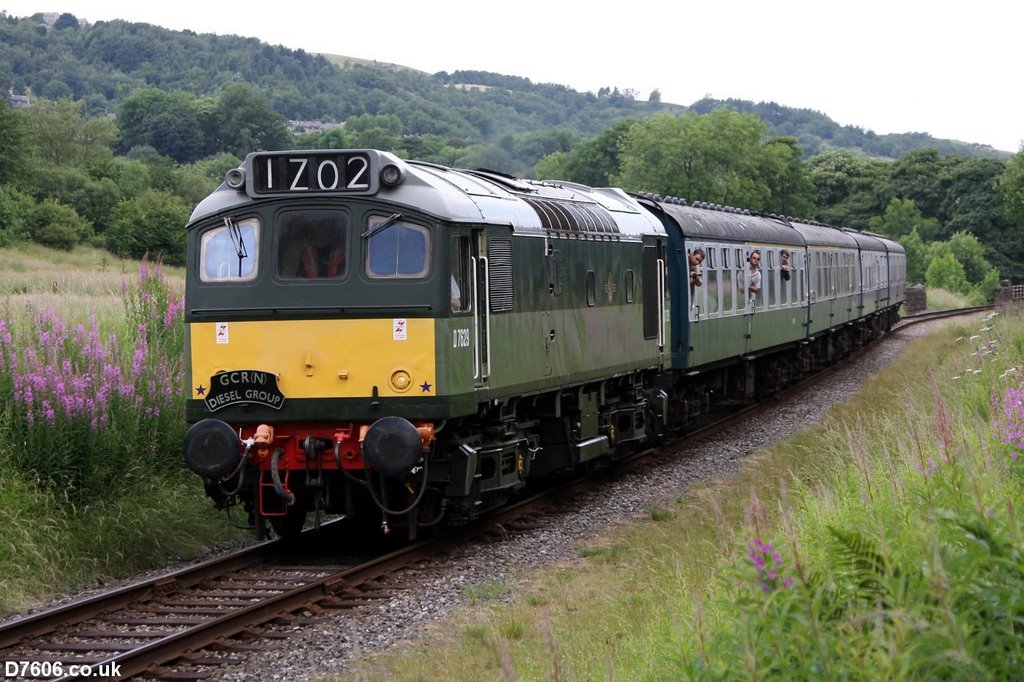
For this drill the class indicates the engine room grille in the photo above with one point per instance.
(569, 216)
(499, 262)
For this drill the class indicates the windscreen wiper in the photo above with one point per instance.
(235, 232)
(381, 226)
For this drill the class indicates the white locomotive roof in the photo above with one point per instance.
(527, 206)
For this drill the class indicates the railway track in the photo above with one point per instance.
(194, 622)
(926, 316)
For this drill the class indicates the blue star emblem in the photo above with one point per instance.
(425, 386)
(201, 390)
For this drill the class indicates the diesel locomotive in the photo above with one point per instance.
(408, 343)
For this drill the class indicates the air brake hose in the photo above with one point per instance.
(343, 470)
(366, 484)
(275, 476)
(239, 471)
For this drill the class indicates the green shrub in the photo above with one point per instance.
(58, 225)
(16, 210)
(153, 222)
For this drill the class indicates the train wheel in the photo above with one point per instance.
(290, 525)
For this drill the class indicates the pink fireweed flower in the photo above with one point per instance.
(1009, 422)
(928, 469)
(48, 412)
(768, 564)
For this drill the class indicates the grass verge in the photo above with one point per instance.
(881, 544)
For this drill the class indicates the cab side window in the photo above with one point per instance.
(460, 276)
(400, 250)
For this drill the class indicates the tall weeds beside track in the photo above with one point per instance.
(908, 562)
(92, 484)
(84, 412)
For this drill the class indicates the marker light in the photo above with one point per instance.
(235, 178)
(391, 175)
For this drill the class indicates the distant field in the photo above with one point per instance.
(74, 284)
(343, 61)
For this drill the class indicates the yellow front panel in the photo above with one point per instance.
(322, 358)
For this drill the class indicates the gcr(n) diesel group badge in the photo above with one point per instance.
(243, 386)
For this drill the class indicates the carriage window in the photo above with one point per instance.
(229, 252)
(727, 279)
(311, 244)
(396, 250)
(711, 282)
(741, 279)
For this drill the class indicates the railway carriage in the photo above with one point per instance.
(717, 321)
(404, 342)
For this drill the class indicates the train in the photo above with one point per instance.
(407, 344)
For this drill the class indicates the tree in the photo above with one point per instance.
(382, 132)
(66, 20)
(594, 162)
(850, 191)
(93, 199)
(14, 159)
(972, 200)
(56, 89)
(61, 135)
(917, 257)
(971, 254)
(790, 191)
(924, 176)
(169, 122)
(154, 223)
(901, 218)
(202, 177)
(1011, 185)
(245, 122)
(527, 149)
(655, 96)
(722, 157)
(945, 272)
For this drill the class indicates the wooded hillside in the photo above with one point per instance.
(102, 63)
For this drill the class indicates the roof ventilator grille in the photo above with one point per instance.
(574, 217)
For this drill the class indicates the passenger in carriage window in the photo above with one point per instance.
(752, 276)
(696, 261)
(784, 265)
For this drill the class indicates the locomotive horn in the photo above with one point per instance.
(212, 449)
(392, 446)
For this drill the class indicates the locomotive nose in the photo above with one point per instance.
(392, 446)
(212, 449)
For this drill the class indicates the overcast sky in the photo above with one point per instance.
(948, 69)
